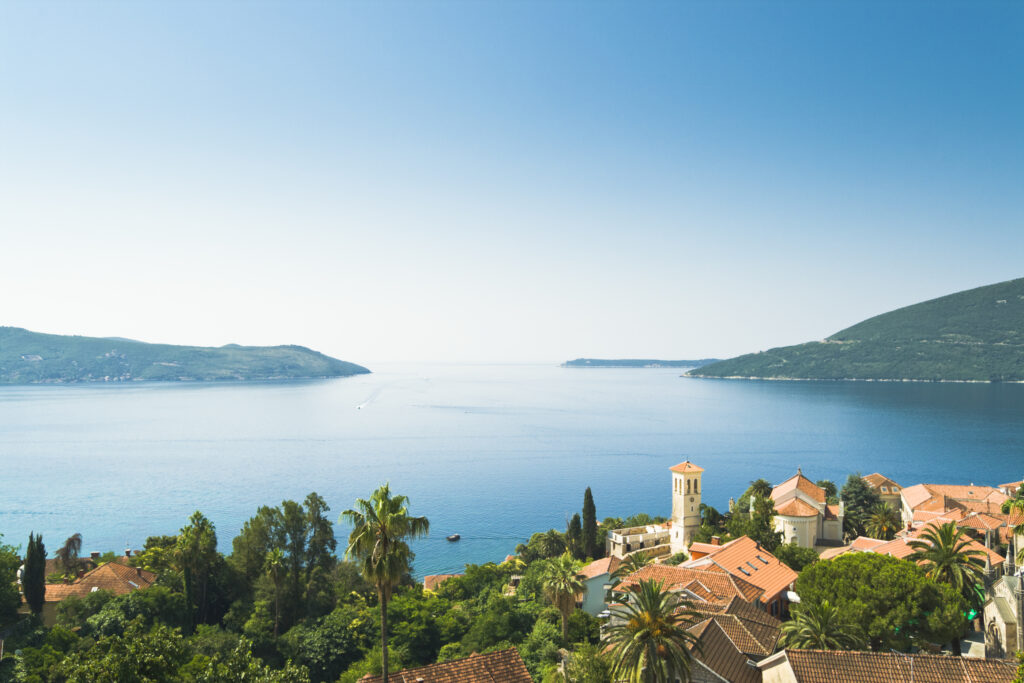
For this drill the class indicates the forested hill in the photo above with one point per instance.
(975, 335)
(30, 357)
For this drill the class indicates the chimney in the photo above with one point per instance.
(95, 554)
(127, 552)
(81, 573)
(716, 540)
(138, 571)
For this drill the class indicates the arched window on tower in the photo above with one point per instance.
(696, 485)
(687, 485)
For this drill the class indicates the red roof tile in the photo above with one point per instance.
(747, 561)
(711, 583)
(835, 666)
(606, 565)
(112, 576)
(431, 582)
(795, 507)
(686, 466)
(798, 482)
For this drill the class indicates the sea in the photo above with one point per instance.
(493, 453)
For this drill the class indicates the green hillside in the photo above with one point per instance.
(635, 363)
(30, 357)
(976, 335)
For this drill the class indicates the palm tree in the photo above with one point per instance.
(552, 543)
(631, 564)
(1015, 509)
(883, 522)
(380, 528)
(560, 580)
(67, 554)
(649, 637)
(820, 627)
(274, 564)
(944, 553)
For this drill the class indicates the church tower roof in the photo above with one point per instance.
(686, 466)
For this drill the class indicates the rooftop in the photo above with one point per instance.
(744, 558)
(710, 584)
(833, 666)
(798, 482)
(686, 466)
(113, 576)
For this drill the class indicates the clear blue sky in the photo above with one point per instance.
(517, 181)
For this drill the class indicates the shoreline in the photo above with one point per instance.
(857, 379)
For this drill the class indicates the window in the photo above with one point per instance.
(687, 485)
(696, 484)
(885, 490)
(895, 489)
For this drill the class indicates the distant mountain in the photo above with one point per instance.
(636, 363)
(975, 335)
(30, 357)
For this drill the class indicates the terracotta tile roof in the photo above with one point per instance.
(941, 497)
(431, 582)
(866, 543)
(798, 482)
(796, 508)
(834, 666)
(504, 666)
(720, 654)
(114, 577)
(833, 553)
(832, 512)
(747, 561)
(916, 494)
(686, 466)
(993, 556)
(711, 583)
(982, 521)
(606, 565)
(697, 547)
(753, 632)
(876, 481)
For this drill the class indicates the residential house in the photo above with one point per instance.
(431, 582)
(710, 584)
(732, 637)
(112, 576)
(803, 516)
(839, 666)
(886, 488)
(900, 548)
(944, 498)
(503, 666)
(745, 559)
(622, 542)
(596, 577)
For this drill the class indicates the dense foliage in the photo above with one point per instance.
(971, 335)
(27, 357)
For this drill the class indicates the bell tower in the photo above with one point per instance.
(686, 491)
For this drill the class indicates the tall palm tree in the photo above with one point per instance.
(820, 627)
(883, 522)
(274, 564)
(649, 637)
(944, 553)
(67, 554)
(381, 527)
(561, 582)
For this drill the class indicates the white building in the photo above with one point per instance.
(803, 516)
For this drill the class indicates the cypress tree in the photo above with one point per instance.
(590, 540)
(574, 537)
(33, 575)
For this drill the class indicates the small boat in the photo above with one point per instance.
(454, 537)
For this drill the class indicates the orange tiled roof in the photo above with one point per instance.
(606, 565)
(114, 577)
(431, 582)
(876, 481)
(711, 583)
(752, 631)
(796, 508)
(746, 560)
(836, 666)
(686, 466)
(833, 553)
(721, 655)
(798, 482)
(503, 666)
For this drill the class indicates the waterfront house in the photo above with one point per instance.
(803, 516)
(503, 666)
(710, 584)
(431, 582)
(648, 538)
(745, 559)
(115, 577)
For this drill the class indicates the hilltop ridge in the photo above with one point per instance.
(32, 358)
(976, 335)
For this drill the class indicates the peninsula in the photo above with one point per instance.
(34, 358)
(971, 336)
(636, 363)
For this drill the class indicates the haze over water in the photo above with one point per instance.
(492, 452)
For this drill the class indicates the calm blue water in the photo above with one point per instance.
(490, 452)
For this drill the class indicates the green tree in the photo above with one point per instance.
(561, 583)
(137, 656)
(820, 626)
(10, 598)
(945, 554)
(67, 554)
(381, 527)
(883, 522)
(574, 537)
(891, 601)
(795, 557)
(649, 636)
(859, 499)
(588, 664)
(593, 547)
(196, 550)
(831, 492)
(33, 574)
